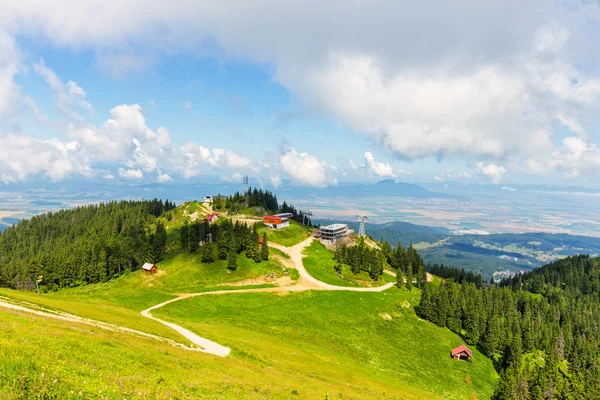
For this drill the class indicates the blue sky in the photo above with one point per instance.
(418, 93)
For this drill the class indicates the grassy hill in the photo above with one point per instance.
(301, 345)
(369, 343)
(289, 236)
(319, 262)
(311, 344)
(120, 300)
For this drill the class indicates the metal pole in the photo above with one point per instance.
(37, 286)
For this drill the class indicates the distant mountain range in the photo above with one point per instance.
(388, 188)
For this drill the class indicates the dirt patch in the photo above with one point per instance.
(386, 316)
(195, 216)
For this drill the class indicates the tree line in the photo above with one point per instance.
(223, 241)
(408, 263)
(542, 328)
(360, 258)
(258, 198)
(458, 275)
(83, 245)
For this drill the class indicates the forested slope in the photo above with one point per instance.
(542, 327)
(83, 245)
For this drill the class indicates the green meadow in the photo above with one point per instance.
(361, 341)
(319, 262)
(289, 236)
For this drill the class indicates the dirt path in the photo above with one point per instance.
(21, 306)
(305, 282)
(310, 282)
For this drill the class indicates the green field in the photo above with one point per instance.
(289, 236)
(319, 262)
(288, 345)
(120, 300)
(371, 344)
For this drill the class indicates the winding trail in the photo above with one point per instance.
(305, 282)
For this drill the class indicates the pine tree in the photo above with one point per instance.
(265, 248)
(231, 260)
(184, 237)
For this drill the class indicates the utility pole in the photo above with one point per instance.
(245, 181)
(361, 228)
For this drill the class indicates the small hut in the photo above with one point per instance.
(461, 353)
(212, 218)
(149, 268)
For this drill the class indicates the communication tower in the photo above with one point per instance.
(361, 228)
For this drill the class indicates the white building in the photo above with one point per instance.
(209, 198)
(333, 233)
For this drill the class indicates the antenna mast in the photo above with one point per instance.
(361, 228)
(245, 181)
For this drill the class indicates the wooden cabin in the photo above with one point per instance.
(149, 268)
(461, 353)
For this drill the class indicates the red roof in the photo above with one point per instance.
(462, 349)
(211, 216)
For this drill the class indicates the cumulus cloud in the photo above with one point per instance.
(305, 169)
(492, 171)
(23, 156)
(196, 155)
(488, 97)
(131, 173)
(380, 169)
(275, 180)
(65, 95)
(163, 178)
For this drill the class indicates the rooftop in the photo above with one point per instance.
(147, 266)
(335, 227)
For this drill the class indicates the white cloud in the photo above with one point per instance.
(492, 171)
(380, 169)
(131, 173)
(437, 178)
(163, 178)
(23, 156)
(188, 105)
(65, 95)
(305, 169)
(490, 96)
(195, 155)
(275, 180)
(108, 176)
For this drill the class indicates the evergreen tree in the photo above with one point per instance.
(231, 260)
(265, 248)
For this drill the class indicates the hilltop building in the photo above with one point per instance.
(212, 218)
(461, 353)
(332, 233)
(278, 221)
(209, 198)
(149, 268)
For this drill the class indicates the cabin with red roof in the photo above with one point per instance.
(212, 218)
(462, 352)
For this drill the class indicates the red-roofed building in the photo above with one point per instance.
(461, 352)
(212, 218)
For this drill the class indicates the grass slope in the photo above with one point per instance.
(98, 364)
(319, 263)
(289, 236)
(120, 300)
(342, 339)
